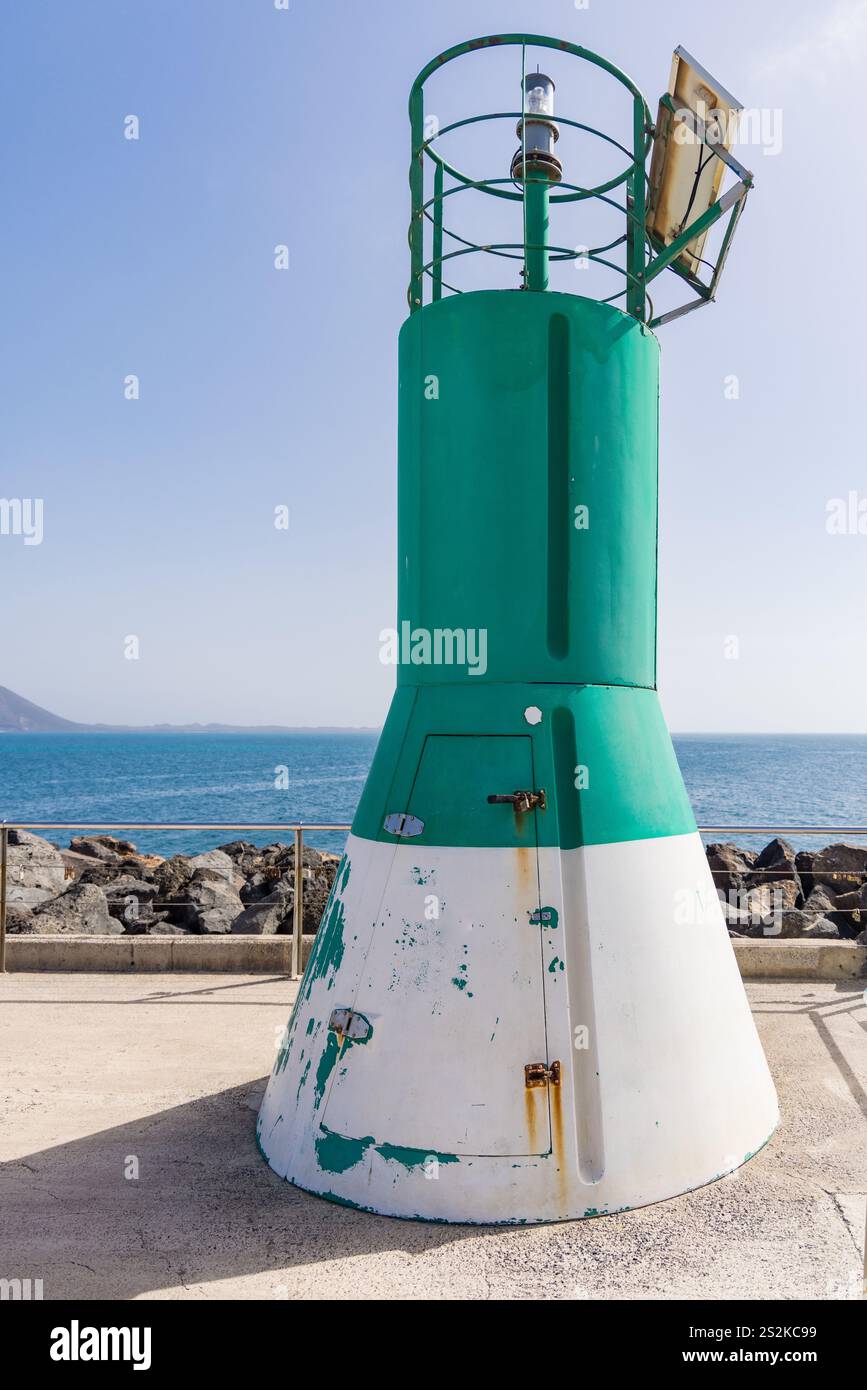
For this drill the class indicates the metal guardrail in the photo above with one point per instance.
(297, 829)
(774, 830)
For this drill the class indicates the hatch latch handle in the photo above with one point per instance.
(521, 801)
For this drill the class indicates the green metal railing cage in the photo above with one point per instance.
(644, 259)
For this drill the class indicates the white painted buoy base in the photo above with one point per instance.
(468, 965)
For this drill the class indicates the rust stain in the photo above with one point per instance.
(531, 1111)
(525, 869)
(555, 1096)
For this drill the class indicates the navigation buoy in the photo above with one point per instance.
(522, 1003)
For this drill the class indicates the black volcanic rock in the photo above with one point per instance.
(81, 910)
(729, 865)
(206, 904)
(171, 876)
(804, 865)
(821, 901)
(843, 867)
(18, 918)
(268, 917)
(794, 923)
(104, 847)
(776, 861)
(131, 900)
(35, 869)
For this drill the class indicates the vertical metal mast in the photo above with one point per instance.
(536, 166)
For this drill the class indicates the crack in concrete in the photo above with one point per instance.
(846, 1222)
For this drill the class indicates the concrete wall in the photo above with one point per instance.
(240, 955)
(271, 955)
(800, 960)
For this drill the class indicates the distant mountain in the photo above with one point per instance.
(20, 716)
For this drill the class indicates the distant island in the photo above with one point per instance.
(20, 716)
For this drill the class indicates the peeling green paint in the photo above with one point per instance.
(328, 946)
(556, 964)
(335, 1153)
(345, 1201)
(283, 1054)
(340, 1201)
(303, 1080)
(409, 940)
(329, 939)
(259, 1142)
(327, 1063)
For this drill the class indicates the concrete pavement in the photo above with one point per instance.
(129, 1167)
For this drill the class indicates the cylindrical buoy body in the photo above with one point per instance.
(522, 1003)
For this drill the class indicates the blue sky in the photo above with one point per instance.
(261, 387)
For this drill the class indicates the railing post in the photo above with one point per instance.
(437, 267)
(416, 184)
(636, 208)
(298, 913)
(4, 840)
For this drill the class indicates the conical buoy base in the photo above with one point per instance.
(523, 1028)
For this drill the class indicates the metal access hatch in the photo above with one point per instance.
(452, 985)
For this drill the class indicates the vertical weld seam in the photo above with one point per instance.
(655, 656)
(542, 949)
(558, 486)
(569, 827)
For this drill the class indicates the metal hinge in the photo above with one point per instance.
(537, 1074)
(349, 1024)
(403, 824)
(543, 917)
